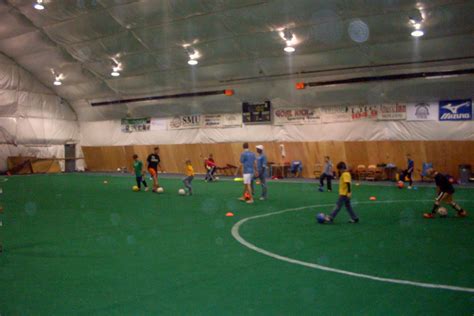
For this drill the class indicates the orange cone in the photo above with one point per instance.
(229, 214)
(372, 198)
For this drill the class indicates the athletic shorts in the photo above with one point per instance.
(248, 178)
(444, 197)
(152, 171)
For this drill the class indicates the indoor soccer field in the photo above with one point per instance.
(76, 245)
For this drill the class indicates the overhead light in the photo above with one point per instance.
(289, 49)
(192, 62)
(193, 55)
(290, 40)
(115, 71)
(39, 5)
(417, 33)
(57, 82)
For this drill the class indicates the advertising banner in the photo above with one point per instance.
(422, 111)
(135, 125)
(455, 110)
(296, 116)
(392, 112)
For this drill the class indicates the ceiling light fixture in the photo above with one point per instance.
(417, 22)
(417, 33)
(288, 37)
(116, 68)
(39, 5)
(193, 55)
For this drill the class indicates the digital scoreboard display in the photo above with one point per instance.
(256, 113)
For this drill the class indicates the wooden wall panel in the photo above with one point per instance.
(445, 155)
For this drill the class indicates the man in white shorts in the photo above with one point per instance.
(247, 159)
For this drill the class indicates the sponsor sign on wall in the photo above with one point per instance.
(333, 114)
(135, 125)
(363, 112)
(222, 120)
(185, 121)
(296, 116)
(392, 112)
(159, 124)
(455, 110)
(422, 111)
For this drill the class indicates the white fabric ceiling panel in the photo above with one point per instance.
(190, 31)
(218, 52)
(45, 131)
(57, 10)
(84, 28)
(14, 24)
(106, 48)
(131, 65)
(8, 102)
(89, 90)
(9, 77)
(26, 44)
(146, 84)
(44, 106)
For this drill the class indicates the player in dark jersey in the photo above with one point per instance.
(153, 161)
(445, 192)
(407, 173)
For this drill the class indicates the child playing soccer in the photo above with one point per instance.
(247, 159)
(407, 173)
(139, 172)
(327, 174)
(261, 174)
(189, 172)
(153, 163)
(345, 195)
(445, 192)
(211, 167)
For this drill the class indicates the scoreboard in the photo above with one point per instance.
(256, 113)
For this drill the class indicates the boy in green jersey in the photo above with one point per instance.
(138, 168)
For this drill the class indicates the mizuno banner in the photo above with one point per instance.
(455, 110)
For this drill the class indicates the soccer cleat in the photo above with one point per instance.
(409, 187)
(242, 199)
(321, 189)
(353, 221)
(146, 189)
(462, 213)
(249, 202)
(262, 198)
(329, 190)
(428, 215)
(328, 219)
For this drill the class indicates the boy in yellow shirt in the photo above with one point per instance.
(189, 172)
(345, 195)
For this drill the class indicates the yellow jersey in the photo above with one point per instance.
(343, 181)
(189, 170)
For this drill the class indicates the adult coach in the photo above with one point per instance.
(247, 159)
(153, 161)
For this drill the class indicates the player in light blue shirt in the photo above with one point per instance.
(261, 172)
(247, 159)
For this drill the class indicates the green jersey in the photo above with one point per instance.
(138, 166)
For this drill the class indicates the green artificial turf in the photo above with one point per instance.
(74, 245)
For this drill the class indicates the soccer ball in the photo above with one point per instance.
(160, 190)
(181, 192)
(216, 178)
(442, 211)
(321, 218)
(135, 188)
(400, 184)
(118, 169)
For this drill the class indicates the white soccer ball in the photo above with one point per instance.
(160, 190)
(217, 178)
(118, 169)
(442, 211)
(181, 192)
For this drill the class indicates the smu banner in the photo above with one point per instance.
(422, 111)
(392, 112)
(296, 116)
(135, 125)
(455, 110)
(205, 121)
